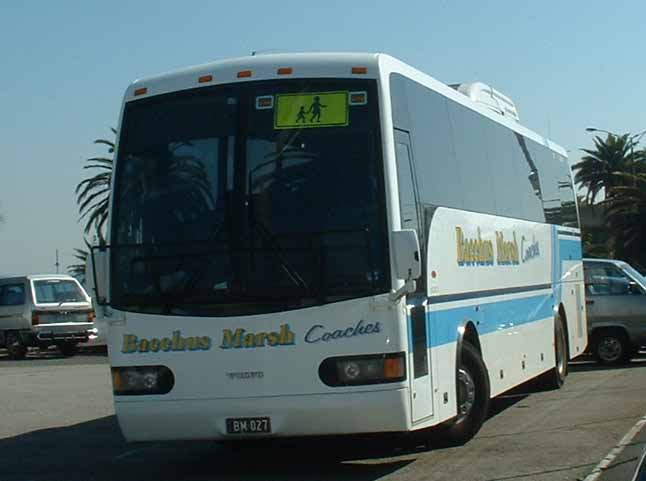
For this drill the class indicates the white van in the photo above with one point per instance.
(41, 311)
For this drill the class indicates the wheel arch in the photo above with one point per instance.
(468, 332)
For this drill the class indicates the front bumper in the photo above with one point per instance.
(151, 419)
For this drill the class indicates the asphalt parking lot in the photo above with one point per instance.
(57, 423)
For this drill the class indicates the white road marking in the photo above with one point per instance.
(616, 451)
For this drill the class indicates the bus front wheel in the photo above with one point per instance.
(472, 392)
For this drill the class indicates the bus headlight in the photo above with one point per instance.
(142, 380)
(368, 369)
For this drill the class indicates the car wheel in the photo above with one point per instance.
(611, 347)
(16, 347)
(555, 378)
(68, 349)
(473, 393)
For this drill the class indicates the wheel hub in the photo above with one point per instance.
(466, 393)
(609, 349)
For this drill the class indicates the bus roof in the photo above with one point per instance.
(309, 65)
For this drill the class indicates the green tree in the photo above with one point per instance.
(78, 270)
(93, 193)
(626, 217)
(603, 167)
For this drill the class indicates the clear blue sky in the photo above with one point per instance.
(65, 65)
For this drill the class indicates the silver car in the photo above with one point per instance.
(616, 305)
(43, 310)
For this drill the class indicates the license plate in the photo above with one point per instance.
(248, 425)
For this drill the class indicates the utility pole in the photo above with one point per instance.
(57, 264)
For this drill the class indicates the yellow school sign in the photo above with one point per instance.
(311, 110)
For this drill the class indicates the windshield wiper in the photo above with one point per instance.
(276, 249)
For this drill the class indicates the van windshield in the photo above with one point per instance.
(634, 274)
(57, 291)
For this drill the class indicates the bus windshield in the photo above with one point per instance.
(249, 198)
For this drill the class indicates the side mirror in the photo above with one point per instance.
(634, 288)
(97, 275)
(406, 252)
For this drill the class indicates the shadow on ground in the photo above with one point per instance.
(96, 450)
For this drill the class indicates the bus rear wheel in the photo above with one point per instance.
(472, 393)
(555, 378)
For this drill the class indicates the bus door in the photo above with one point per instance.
(420, 378)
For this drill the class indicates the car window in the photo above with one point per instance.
(12, 295)
(57, 290)
(606, 280)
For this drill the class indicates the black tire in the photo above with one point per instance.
(16, 347)
(68, 349)
(555, 378)
(472, 382)
(611, 347)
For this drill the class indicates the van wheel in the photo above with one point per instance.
(16, 347)
(68, 349)
(472, 394)
(555, 378)
(611, 347)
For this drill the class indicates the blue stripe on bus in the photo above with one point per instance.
(495, 316)
(570, 250)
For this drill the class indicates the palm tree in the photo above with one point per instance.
(93, 193)
(603, 167)
(626, 217)
(78, 270)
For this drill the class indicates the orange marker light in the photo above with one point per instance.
(205, 78)
(141, 91)
(285, 71)
(244, 74)
(394, 368)
(117, 380)
(265, 102)
(358, 98)
(360, 70)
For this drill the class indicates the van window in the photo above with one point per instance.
(12, 295)
(606, 280)
(57, 290)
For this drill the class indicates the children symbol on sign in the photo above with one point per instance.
(301, 115)
(315, 109)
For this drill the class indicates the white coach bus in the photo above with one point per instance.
(319, 244)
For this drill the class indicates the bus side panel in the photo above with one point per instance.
(568, 281)
(494, 273)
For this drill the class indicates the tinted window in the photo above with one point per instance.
(12, 295)
(58, 291)
(473, 162)
(226, 205)
(467, 161)
(605, 280)
(567, 195)
(438, 171)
